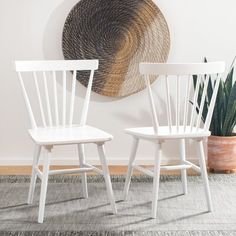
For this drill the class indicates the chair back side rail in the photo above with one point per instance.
(212, 104)
(39, 99)
(153, 109)
(27, 103)
(87, 99)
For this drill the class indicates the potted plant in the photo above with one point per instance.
(222, 142)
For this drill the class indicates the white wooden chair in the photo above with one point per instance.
(54, 124)
(184, 124)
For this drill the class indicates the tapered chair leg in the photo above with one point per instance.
(130, 167)
(183, 171)
(202, 163)
(83, 175)
(156, 180)
(44, 184)
(34, 175)
(107, 178)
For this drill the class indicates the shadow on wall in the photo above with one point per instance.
(52, 43)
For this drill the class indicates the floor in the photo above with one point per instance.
(114, 170)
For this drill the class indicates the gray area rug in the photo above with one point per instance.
(68, 214)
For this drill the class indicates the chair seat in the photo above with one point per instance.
(163, 132)
(68, 135)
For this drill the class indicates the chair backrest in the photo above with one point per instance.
(191, 98)
(54, 108)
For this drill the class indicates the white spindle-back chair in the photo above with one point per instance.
(52, 114)
(184, 112)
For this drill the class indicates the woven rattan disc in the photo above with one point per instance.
(120, 33)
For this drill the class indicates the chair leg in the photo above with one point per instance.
(34, 175)
(44, 184)
(106, 175)
(83, 175)
(183, 171)
(202, 163)
(156, 180)
(130, 167)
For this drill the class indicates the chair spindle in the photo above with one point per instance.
(169, 116)
(72, 98)
(55, 97)
(47, 98)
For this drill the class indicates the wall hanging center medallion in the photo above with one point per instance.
(120, 33)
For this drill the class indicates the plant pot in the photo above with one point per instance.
(222, 153)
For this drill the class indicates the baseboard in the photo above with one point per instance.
(16, 161)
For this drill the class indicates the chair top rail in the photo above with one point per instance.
(56, 65)
(146, 68)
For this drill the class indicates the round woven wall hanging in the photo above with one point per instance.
(120, 33)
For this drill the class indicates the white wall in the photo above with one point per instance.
(31, 29)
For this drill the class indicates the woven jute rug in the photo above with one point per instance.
(68, 214)
(121, 34)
